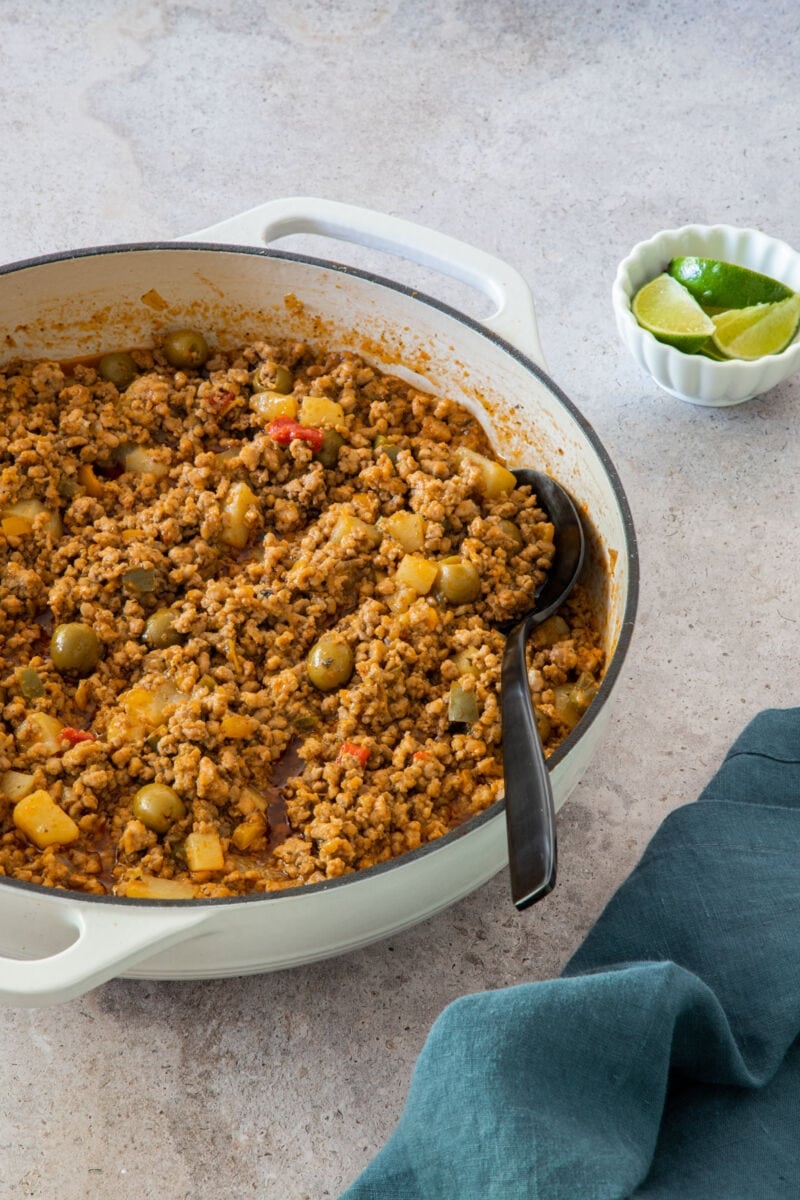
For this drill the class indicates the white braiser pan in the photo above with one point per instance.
(55, 945)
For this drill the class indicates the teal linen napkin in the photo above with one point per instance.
(665, 1062)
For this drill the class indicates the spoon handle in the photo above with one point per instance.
(530, 815)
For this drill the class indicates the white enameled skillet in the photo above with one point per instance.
(55, 945)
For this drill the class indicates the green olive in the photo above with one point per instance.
(328, 454)
(75, 648)
(330, 663)
(513, 534)
(284, 381)
(458, 581)
(158, 806)
(186, 348)
(118, 368)
(160, 631)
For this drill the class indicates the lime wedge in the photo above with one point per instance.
(723, 285)
(664, 308)
(761, 329)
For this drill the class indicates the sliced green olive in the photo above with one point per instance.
(330, 663)
(117, 368)
(513, 534)
(160, 631)
(462, 705)
(140, 581)
(328, 454)
(158, 806)
(265, 379)
(284, 381)
(75, 648)
(458, 581)
(186, 349)
(30, 683)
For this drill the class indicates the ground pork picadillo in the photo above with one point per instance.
(250, 613)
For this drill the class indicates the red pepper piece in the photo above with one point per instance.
(353, 748)
(420, 755)
(284, 430)
(73, 736)
(221, 403)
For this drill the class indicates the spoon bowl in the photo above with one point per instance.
(530, 813)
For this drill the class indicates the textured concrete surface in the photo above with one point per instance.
(555, 136)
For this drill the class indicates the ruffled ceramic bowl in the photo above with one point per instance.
(694, 377)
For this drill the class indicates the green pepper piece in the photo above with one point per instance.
(30, 684)
(388, 447)
(463, 705)
(141, 581)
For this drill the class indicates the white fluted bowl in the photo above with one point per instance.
(694, 377)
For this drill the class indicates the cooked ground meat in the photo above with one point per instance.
(249, 620)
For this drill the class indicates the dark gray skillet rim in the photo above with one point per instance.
(625, 634)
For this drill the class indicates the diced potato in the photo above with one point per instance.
(16, 526)
(269, 405)
(151, 888)
(319, 410)
(148, 708)
(417, 572)
(145, 461)
(408, 528)
(89, 481)
(252, 801)
(26, 511)
(40, 731)
(495, 478)
(553, 630)
(14, 785)
(43, 822)
(347, 525)
(235, 526)
(204, 852)
(236, 726)
(249, 832)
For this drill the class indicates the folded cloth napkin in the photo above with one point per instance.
(665, 1061)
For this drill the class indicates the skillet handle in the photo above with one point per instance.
(515, 316)
(94, 943)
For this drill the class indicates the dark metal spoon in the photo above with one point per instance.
(530, 815)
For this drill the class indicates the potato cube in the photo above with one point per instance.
(246, 834)
(204, 852)
(495, 478)
(347, 525)
(319, 410)
(16, 784)
(26, 511)
(43, 822)
(151, 888)
(408, 528)
(236, 726)
(269, 405)
(150, 461)
(235, 525)
(16, 526)
(41, 732)
(417, 572)
(89, 481)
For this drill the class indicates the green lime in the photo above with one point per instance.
(761, 329)
(664, 308)
(724, 285)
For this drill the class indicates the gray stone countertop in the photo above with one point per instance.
(555, 137)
